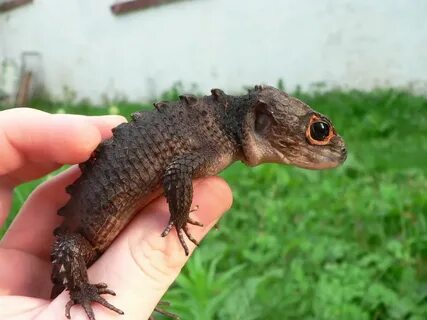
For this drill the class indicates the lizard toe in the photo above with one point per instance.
(182, 241)
(166, 313)
(181, 231)
(87, 294)
(194, 222)
(162, 311)
(168, 229)
(189, 236)
(68, 308)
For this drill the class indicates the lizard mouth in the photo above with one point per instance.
(316, 162)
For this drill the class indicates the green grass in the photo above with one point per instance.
(341, 244)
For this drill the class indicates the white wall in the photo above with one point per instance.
(220, 43)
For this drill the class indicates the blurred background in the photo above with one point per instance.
(95, 50)
(349, 243)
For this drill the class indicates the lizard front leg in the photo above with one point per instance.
(178, 189)
(70, 255)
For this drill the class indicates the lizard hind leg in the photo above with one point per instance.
(70, 255)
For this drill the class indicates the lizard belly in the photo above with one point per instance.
(102, 235)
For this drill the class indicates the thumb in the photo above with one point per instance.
(140, 265)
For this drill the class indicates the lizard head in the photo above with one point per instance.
(281, 129)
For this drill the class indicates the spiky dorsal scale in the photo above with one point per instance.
(86, 165)
(83, 166)
(188, 99)
(220, 97)
(160, 105)
(218, 93)
(136, 116)
(57, 230)
(69, 189)
(121, 125)
(62, 211)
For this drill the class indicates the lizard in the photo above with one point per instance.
(161, 151)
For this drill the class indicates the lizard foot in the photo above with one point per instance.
(87, 294)
(184, 230)
(164, 312)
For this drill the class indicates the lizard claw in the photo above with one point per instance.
(87, 294)
(181, 232)
(192, 221)
(168, 229)
(196, 207)
(164, 312)
(189, 236)
(184, 230)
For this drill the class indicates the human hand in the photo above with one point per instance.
(140, 265)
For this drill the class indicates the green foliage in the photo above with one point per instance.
(344, 244)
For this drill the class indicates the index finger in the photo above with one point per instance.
(34, 143)
(29, 136)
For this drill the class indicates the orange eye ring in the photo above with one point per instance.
(323, 129)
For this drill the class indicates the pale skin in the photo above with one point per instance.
(139, 266)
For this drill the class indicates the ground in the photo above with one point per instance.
(349, 243)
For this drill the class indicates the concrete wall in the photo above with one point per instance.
(218, 43)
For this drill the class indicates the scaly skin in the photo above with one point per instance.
(164, 150)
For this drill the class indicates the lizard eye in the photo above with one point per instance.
(319, 130)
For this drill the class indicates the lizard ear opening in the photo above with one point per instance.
(263, 118)
(257, 127)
